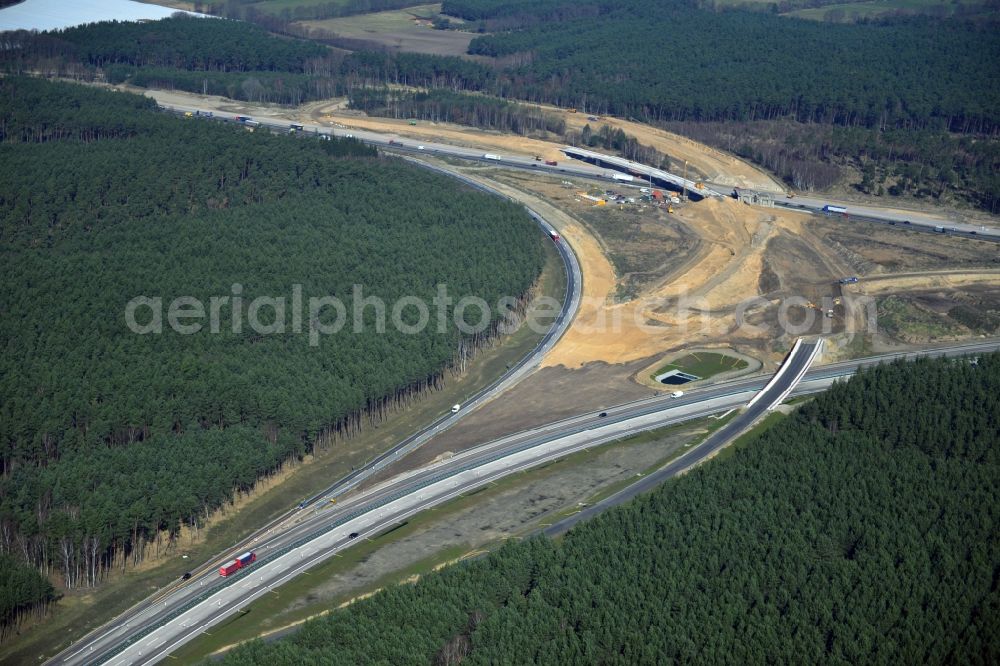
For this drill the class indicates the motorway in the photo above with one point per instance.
(150, 631)
(515, 373)
(319, 532)
(612, 166)
(571, 303)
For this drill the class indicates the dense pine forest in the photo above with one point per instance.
(864, 528)
(110, 440)
(23, 591)
(229, 58)
(900, 108)
(910, 104)
(686, 64)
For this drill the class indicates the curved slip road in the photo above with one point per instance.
(149, 631)
(151, 634)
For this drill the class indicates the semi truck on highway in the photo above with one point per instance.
(491, 156)
(242, 119)
(834, 209)
(622, 177)
(244, 560)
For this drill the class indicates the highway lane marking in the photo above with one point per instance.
(310, 550)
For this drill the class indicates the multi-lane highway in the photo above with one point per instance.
(902, 220)
(605, 168)
(148, 632)
(515, 373)
(317, 533)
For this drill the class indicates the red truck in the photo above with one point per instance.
(554, 235)
(551, 162)
(244, 560)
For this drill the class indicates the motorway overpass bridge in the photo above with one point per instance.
(151, 631)
(655, 177)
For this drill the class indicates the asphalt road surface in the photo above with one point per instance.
(150, 631)
(903, 220)
(515, 373)
(317, 533)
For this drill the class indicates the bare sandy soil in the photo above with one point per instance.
(711, 164)
(702, 160)
(938, 280)
(743, 253)
(754, 280)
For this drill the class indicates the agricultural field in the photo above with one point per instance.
(850, 12)
(404, 30)
(276, 7)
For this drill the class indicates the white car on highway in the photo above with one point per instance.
(676, 394)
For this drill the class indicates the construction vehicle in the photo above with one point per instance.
(699, 186)
(670, 209)
(188, 114)
(295, 127)
(572, 110)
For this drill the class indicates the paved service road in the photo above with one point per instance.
(150, 634)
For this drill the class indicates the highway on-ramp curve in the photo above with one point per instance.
(319, 532)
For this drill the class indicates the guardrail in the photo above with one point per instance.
(798, 376)
(407, 490)
(777, 376)
(570, 265)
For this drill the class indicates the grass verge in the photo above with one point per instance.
(292, 603)
(750, 436)
(703, 364)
